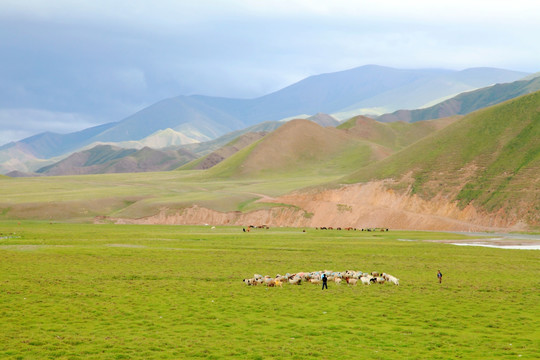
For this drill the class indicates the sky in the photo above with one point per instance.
(67, 65)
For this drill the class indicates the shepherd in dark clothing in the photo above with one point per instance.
(439, 276)
(324, 282)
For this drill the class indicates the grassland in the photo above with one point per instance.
(81, 198)
(76, 291)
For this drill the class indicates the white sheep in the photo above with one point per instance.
(365, 280)
(392, 279)
(295, 280)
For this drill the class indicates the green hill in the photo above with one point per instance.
(490, 158)
(395, 135)
(224, 152)
(467, 102)
(299, 146)
(303, 147)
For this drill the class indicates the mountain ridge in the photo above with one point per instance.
(203, 117)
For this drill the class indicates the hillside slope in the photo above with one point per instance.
(394, 135)
(217, 156)
(104, 159)
(490, 159)
(467, 102)
(303, 147)
(297, 146)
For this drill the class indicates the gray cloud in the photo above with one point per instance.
(105, 60)
(22, 123)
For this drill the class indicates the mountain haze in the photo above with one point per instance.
(202, 118)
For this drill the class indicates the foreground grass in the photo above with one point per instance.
(169, 292)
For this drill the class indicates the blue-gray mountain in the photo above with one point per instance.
(364, 90)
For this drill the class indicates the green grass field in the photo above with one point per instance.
(81, 198)
(72, 291)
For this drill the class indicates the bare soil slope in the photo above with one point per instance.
(371, 205)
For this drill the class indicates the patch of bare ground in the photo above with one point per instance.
(370, 205)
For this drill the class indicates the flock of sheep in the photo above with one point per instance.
(350, 277)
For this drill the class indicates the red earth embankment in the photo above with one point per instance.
(370, 205)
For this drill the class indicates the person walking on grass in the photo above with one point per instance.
(324, 282)
(439, 276)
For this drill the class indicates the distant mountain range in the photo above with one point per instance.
(197, 119)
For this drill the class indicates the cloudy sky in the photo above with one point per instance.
(66, 65)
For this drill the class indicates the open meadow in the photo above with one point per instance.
(81, 198)
(83, 291)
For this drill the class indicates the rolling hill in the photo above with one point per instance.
(104, 159)
(301, 146)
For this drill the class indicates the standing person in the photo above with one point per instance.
(324, 282)
(439, 276)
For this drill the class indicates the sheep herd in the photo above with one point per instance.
(350, 277)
